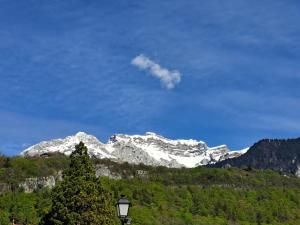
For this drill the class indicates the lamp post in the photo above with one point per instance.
(123, 206)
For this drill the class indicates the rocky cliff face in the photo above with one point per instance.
(32, 184)
(280, 155)
(104, 171)
(149, 149)
(35, 183)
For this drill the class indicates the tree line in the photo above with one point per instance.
(165, 196)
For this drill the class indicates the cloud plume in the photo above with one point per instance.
(167, 77)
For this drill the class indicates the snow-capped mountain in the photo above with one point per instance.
(149, 149)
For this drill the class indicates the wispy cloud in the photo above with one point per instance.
(167, 77)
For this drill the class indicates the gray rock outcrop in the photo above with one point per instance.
(104, 171)
(35, 183)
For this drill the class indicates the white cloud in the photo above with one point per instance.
(168, 78)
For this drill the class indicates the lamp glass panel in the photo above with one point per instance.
(123, 209)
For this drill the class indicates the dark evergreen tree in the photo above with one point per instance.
(80, 198)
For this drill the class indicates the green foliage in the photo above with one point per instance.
(199, 196)
(155, 203)
(202, 176)
(80, 198)
(18, 206)
(4, 217)
(16, 169)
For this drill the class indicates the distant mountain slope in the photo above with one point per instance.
(149, 149)
(281, 155)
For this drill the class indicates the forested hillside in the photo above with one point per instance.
(277, 154)
(165, 196)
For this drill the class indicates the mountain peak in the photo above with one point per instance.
(81, 134)
(151, 134)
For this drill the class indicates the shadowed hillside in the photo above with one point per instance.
(280, 155)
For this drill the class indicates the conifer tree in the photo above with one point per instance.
(80, 198)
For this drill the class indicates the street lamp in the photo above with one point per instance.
(123, 206)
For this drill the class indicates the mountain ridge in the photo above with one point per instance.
(281, 155)
(149, 149)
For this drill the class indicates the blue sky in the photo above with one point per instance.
(219, 71)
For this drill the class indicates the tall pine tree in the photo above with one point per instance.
(80, 198)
